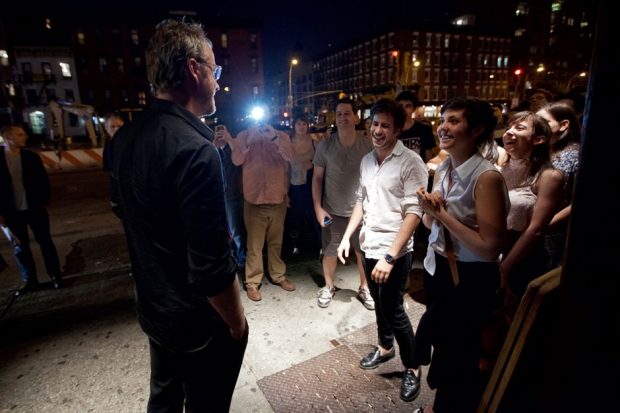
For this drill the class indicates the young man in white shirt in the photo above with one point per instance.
(389, 211)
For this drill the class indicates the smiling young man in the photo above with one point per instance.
(337, 159)
(388, 209)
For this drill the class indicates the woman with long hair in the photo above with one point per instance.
(301, 214)
(564, 152)
(535, 190)
(466, 213)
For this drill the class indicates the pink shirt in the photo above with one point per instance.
(265, 177)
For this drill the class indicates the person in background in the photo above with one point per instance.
(25, 193)
(535, 190)
(466, 213)
(168, 190)
(367, 125)
(498, 133)
(234, 196)
(564, 153)
(264, 154)
(539, 98)
(388, 209)
(301, 212)
(335, 181)
(575, 101)
(113, 123)
(416, 136)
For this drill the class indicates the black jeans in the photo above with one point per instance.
(392, 321)
(203, 380)
(452, 325)
(39, 223)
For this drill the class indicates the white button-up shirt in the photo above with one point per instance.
(387, 193)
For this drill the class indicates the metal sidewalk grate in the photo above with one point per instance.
(333, 381)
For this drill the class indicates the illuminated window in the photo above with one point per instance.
(10, 88)
(522, 9)
(429, 38)
(48, 23)
(556, 6)
(141, 98)
(252, 40)
(254, 63)
(4, 58)
(415, 39)
(570, 21)
(519, 32)
(124, 96)
(120, 65)
(134, 37)
(255, 90)
(80, 37)
(65, 69)
(224, 40)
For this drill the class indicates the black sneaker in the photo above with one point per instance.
(27, 287)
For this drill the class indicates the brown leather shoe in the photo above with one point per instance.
(254, 294)
(287, 285)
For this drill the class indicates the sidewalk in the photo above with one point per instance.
(93, 357)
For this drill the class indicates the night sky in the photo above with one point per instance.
(316, 24)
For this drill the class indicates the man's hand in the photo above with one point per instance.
(238, 331)
(343, 250)
(321, 214)
(381, 272)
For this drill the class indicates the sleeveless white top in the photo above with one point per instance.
(461, 205)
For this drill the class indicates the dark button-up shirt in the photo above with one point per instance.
(167, 183)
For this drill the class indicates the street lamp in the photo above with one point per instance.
(526, 84)
(289, 102)
(582, 74)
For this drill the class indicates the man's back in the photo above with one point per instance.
(167, 181)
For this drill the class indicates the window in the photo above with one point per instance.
(224, 39)
(65, 69)
(522, 9)
(468, 43)
(98, 37)
(254, 63)
(116, 37)
(137, 64)
(252, 40)
(519, 32)
(436, 59)
(467, 76)
(90, 96)
(429, 39)
(225, 65)
(69, 95)
(31, 95)
(134, 37)
(48, 23)
(436, 75)
(4, 58)
(103, 65)
(120, 65)
(107, 95)
(84, 65)
(256, 90)
(27, 68)
(427, 61)
(50, 93)
(46, 68)
(446, 41)
(437, 41)
(80, 37)
(415, 39)
(435, 92)
(427, 92)
(141, 98)
(10, 88)
(414, 75)
(124, 96)
(468, 59)
(427, 75)
(73, 120)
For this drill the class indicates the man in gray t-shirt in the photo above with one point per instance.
(334, 185)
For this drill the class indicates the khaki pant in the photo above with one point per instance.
(264, 222)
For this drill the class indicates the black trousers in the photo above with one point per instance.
(203, 380)
(39, 222)
(452, 326)
(392, 320)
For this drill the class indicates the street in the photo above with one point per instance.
(80, 348)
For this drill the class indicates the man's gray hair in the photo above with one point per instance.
(169, 51)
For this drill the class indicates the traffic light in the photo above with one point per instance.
(518, 72)
(342, 95)
(394, 54)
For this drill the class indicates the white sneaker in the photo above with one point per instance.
(364, 296)
(325, 296)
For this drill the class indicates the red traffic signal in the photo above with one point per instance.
(518, 72)
(394, 53)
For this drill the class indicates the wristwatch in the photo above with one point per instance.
(389, 259)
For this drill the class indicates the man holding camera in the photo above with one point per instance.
(264, 154)
(337, 162)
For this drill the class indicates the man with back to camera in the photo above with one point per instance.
(168, 188)
(337, 161)
(25, 194)
(264, 154)
(388, 208)
(416, 136)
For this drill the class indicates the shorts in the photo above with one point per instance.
(332, 235)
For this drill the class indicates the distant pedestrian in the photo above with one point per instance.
(416, 135)
(168, 188)
(113, 123)
(25, 194)
(264, 154)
